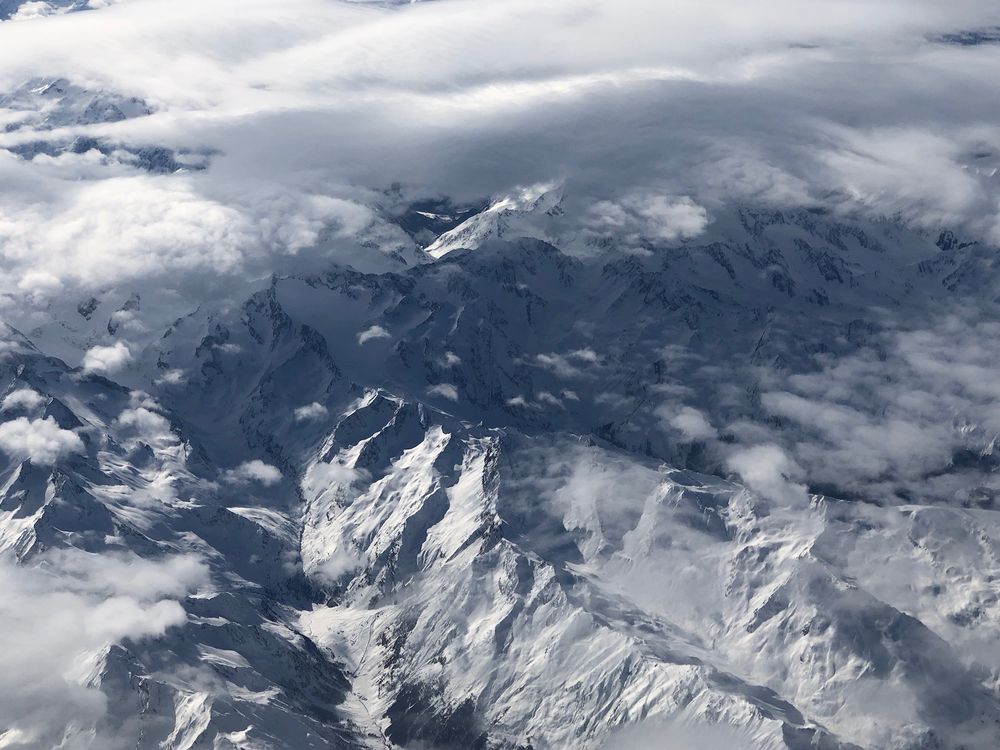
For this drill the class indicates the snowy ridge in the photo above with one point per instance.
(499, 375)
(524, 612)
(494, 501)
(509, 215)
(47, 104)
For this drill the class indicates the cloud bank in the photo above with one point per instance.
(649, 113)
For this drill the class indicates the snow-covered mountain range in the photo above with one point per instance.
(511, 497)
(454, 375)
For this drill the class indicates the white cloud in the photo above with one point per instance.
(572, 364)
(340, 562)
(147, 424)
(128, 320)
(649, 216)
(107, 360)
(597, 494)
(907, 172)
(444, 390)
(322, 476)
(58, 614)
(172, 377)
(144, 420)
(254, 471)
(768, 470)
(310, 412)
(41, 440)
(24, 398)
(889, 420)
(373, 333)
(122, 228)
(544, 397)
(690, 422)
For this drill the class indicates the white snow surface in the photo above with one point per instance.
(551, 556)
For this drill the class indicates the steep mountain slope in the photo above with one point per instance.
(46, 104)
(236, 671)
(521, 333)
(470, 503)
(585, 590)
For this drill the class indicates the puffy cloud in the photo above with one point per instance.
(107, 360)
(338, 563)
(254, 471)
(572, 364)
(911, 416)
(59, 614)
(908, 413)
(23, 398)
(123, 228)
(143, 420)
(41, 440)
(147, 424)
(373, 333)
(649, 216)
(321, 477)
(922, 177)
(310, 412)
(767, 469)
(444, 390)
(597, 495)
(171, 377)
(688, 421)
(100, 231)
(545, 397)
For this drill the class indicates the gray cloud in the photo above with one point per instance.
(910, 416)
(309, 110)
(59, 616)
(918, 419)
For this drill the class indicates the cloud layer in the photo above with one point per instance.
(648, 112)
